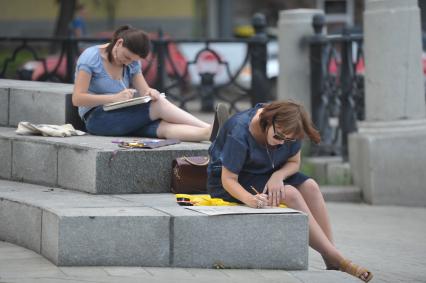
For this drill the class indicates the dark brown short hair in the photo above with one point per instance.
(136, 40)
(291, 117)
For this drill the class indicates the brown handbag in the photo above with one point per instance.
(189, 175)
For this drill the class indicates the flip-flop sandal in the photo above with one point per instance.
(355, 270)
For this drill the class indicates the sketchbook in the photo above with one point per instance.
(128, 103)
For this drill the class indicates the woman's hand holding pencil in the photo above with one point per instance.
(261, 199)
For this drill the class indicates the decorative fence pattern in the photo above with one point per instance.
(337, 87)
(182, 78)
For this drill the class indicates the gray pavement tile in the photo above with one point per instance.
(324, 277)
(86, 272)
(25, 254)
(207, 273)
(249, 274)
(277, 276)
(168, 272)
(127, 271)
(50, 280)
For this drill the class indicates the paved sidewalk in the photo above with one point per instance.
(388, 240)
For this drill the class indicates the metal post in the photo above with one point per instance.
(319, 96)
(260, 86)
(70, 50)
(347, 117)
(160, 52)
(207, 91)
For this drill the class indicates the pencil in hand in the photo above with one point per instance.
(251, 187)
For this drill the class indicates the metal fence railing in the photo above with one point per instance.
(183, 77)
(337, 87)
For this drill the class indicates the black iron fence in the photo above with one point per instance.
(167, 68)
(337, 87)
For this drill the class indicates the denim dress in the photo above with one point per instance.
(237, 150)
(129, 121)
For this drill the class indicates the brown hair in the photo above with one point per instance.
(136, 40)
(291, 117)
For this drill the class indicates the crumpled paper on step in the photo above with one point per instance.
(67, 130)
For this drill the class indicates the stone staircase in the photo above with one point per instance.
(83, 201)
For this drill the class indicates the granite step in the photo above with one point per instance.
(37, 102)
(89, 163)
(341, 193)
(79, 229)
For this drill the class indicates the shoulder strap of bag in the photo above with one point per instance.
(197, 161)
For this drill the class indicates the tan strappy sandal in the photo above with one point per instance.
(355, 270)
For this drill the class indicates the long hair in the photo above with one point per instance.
(136, 40)
(291, 117)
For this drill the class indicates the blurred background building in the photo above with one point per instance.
(180, 18)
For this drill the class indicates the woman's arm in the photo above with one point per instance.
(81, 96)
(275, 184)
(231, 185)
(291, 167)
(143, 88)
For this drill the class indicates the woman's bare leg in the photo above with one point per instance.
(318, 240)
(315, 201)
(183, 132)
(167, 111)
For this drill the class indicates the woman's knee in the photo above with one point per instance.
(292, 195)
(157, 107)
(311, 187)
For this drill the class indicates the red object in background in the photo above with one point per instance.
(51, 62)
(332, 67)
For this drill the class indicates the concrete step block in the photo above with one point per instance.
(330, 170)
(79, 229)
(262, 241)
(108, 236)
(91, 164)
(37, 102)
(4, 106)
(339, 174)
(20, 224)
(341, 193)
(6, 158)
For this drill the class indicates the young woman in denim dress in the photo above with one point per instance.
(111, 73)
(261, 148)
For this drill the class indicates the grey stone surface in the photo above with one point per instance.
(34, 162)
(129, 236)
(394, 83)
(294, 76)
(142, 171)
(387, 154)
(389, 164)
(320, 167)
(339, 174)
(39, 106)
(341, 193)
(77, 169)
(6, 158)
(20, 224)
(4, 106)
(37, 102)
(151, 230)
(239, 241)
(50, 236)
(93, 164)
(388, 240)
